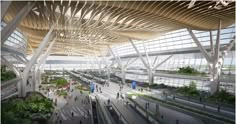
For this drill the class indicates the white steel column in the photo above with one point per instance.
(33, 60)
(123, 71)
(99, 64)
(158, 65)
(4, 7)
(122, 67)
(11, 26)
(215, 60)
(140, 56)
(117, 60)
(128, 63)
(17, 72)
(34, 78)
(147, 65)
(150, 67)
(107, 67)
(19, 59)
(40, 66)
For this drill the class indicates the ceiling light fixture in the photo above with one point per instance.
(61, 34)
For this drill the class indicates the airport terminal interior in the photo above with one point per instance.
(118, 62)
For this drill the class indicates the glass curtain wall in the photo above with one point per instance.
(17, 40)
(171, 43)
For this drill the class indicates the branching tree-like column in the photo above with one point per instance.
(151, 67)
(216, 57)
(32, 61)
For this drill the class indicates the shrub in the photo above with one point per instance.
(223, 96)
(157, 86)
(190, 90)
(60, 82)
(21, 111)
(6, 75)
(189, 70)
(62, 93)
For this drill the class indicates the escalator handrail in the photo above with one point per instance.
(91, 108)
(122, 117)
(103, 116)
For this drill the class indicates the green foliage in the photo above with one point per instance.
(190, 90)
(189, 70)
(60, 82)
(223, 97)
(62, 93)
(157, 86)
(6, 75)
(19, 111)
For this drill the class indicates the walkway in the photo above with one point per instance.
(169, 116)
(210, 109)
(65, 107)
(110, 92)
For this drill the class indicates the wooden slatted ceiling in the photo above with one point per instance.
(92, 25)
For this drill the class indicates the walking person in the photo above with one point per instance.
(88, 113)
(117, 95)
(72, 114)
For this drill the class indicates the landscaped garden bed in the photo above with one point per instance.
(190, 71)
(34, 109)
(6, 74)
(82, 88)
(62, 93)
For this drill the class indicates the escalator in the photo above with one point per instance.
(99, 116)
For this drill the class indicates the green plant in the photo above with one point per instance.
(60, 82)
(157, 86)
(190, 90)
(223, 96)
(22, 111)
(189, 70)
(6, 74)
(61, 93)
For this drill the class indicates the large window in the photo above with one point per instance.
(16, 41)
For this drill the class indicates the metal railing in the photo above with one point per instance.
(121, 117)
(151, 117)
(91, 107)
(10, 82)
(106, 119)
